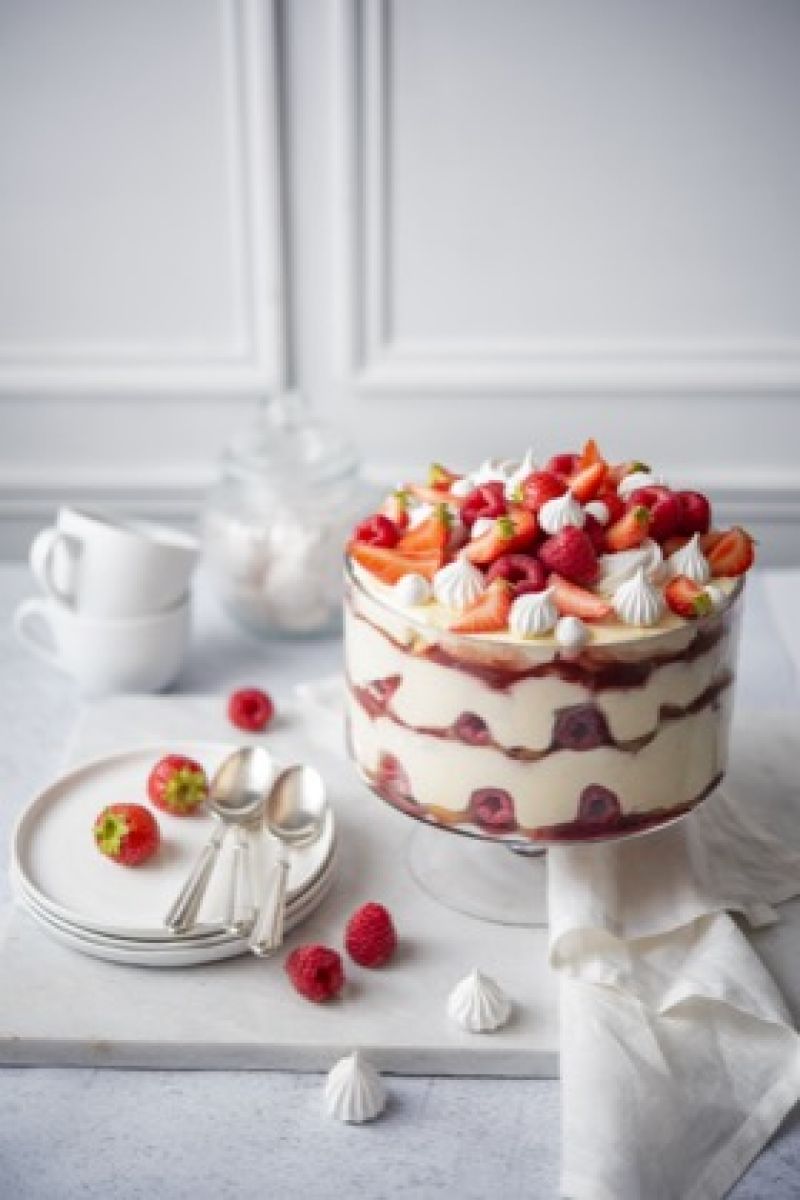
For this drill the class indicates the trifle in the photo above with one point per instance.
(543, 652)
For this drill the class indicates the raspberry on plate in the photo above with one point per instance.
(316, 972)
(250, 709)
(370, 937)
(177, 785)
(126, 833)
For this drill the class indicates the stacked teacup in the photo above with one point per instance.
(115, 613)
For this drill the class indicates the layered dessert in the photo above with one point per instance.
(543, 652)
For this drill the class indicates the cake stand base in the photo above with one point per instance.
(479, 877)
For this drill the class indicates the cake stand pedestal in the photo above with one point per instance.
(483, 879)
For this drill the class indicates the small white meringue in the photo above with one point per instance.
(690, 561)
(618, 568)
(716, 595)
(354, 1091)
(481, 526)
(478, 1004)
(459, 584)
(412, 589)
(491, 470)
(637, 479)
(638, 601)
(463, 486)
(598, 510)
(533, 614)
(561, 511)
(417, 513)
(571, 635)
(520, 474)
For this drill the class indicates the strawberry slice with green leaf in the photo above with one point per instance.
(512, 532)
(390, 565)
(574, 601)
(395, 507)
(489, 613)
(440, 478)
(431, 534)
(630, 530)
(588, 482)
(687, 598)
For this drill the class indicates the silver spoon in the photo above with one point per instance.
(237, 793)
(295, 815)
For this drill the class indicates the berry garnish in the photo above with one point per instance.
(472, 729)
(377, 530)
(665, 510)
(440, 479)
(540, 487)
(395, 507)
(595, 532)
(431, 534)
(687, 598)
(588, 481)
(493, 810)
(695, 513)
(563, 464)
(574, 601)
(581, 727)
(732, 554)
(370, 937)
(570, 553)
(177, 785)
(126, 833)
(599, 807)
(316, 972)
(250, 709)
(390, 565)
(488, 500)
(489, 613)
(629, 531)
(524, 572)
(514, 531)
(590, 455)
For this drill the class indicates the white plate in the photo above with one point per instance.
(59, 866)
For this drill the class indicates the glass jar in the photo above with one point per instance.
(275, 523)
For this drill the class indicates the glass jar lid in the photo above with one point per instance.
(287, 440)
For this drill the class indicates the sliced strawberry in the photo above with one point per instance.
(570, 553)
(563, 464)
(588, 482)
(512, 532)
(540, 487)
(687, 598)
(709, 540)
(395, 507)
(489, 613)
(574, 601)
(590, 455)
(431, 534)
(629, 531)
(488, 500)
(665, 510)
(390, 565)
(733, 554)
(440, 479)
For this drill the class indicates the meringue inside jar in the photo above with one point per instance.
(519, 741)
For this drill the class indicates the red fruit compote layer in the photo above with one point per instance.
(543, 653)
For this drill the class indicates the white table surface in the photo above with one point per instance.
(126, 1134)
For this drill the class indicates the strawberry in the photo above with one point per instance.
(510, 533)
(570, 553)
(733, 554)
(251, 709)
(563, 465)
(370, 937)
(126, 833)
(614, 503)
(389, 565)
(395, 507)
(695, 513)
(617, 473)
(377, 530)
(540, 487)
(574, 601)
(488, 500)
(440, 479)
(177, 785)
(588, 481)
(687, 598)
(665, 508)
(630, 530)
(431, 534)
(709, 540)
(590, 455)
(489, 613)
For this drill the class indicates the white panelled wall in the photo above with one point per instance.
(463, 226)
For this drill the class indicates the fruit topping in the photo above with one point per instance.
(588, 482)
(732, 554)
(540, 487)
(395, 507)
(251, 709)
(574, 601)
(390, 565)
(695, 513)
(580, 727)
(440, 479)
(665, 510)
(487, 500)
(472, 729)
(377, 530)
(630, 530)
(126, 833)
(177, 785)
(316, 972)
(687, 598)
(370, 937)
(571, 554)
(524, 572)
(488, 614)
(599, 807)
(493, 810)
(564, 465)
(514, 531)
(432, 534)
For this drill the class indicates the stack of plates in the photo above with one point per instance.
(113, 912)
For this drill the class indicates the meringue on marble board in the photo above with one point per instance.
(354, 1091)
(478, 1004)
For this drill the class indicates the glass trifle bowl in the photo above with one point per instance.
(524, 745)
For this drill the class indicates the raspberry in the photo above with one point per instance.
(250, 709)
(493, 810)
(471, 728)
(599, 807)
(378, 531)
(570, 553)
(488, 500)
(316, 972)
(523, 572)
(370, 937)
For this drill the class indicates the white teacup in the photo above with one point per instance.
(143, 654)
(107, 567)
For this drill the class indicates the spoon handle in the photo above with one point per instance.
(240, 914)
(267, 936)
(183, 913)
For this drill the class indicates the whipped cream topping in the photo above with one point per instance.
(598, 510)
(572, 634)
(463, 486)
(638, 601)
(637, 479)
(561, 511)
(412, 589)
(493, 469)
(616, 569)
(520, 474)
(354, 1091)
(478, 1004)
(690, 561)
(533, 614)
(459, 584)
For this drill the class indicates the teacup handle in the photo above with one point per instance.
(29, 613)
(41, 558)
